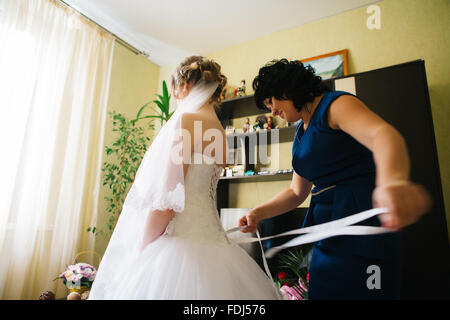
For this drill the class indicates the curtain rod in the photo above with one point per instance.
(120, 40)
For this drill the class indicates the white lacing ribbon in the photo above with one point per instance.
(315, 233)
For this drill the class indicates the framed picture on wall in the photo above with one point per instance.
(330, 65)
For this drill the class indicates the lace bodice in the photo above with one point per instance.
(200, 218)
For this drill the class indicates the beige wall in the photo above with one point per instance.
(134, 82)
(410, 30)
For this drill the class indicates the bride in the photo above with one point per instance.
(169, 242)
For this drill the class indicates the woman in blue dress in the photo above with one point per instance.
(355, 161)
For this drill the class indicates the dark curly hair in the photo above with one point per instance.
(287, 80)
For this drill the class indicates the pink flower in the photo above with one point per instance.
(78, 271)
(302, 285)
(72, 268)
(71, 277)
(292, 293)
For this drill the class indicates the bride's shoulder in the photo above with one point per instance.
(188, 120)
(192, 116)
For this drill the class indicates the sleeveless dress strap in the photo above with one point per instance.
(320, 120)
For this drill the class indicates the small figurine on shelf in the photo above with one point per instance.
(249, 173)
(229, 130)
(281, 124)
(269, 123)
(260, 122)
(241, 89)
(238, 170)
(256, 126)
(229, 92)
(246, 126)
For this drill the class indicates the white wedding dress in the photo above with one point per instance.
(193, 259)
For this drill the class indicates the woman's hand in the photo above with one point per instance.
(285, 201)
(406, 202)
(250, 220)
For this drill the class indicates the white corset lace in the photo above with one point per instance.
(200, 218)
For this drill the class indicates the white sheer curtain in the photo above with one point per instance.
(54, 82)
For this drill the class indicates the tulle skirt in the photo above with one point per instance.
(187, 269)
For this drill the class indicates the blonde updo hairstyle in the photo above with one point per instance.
(196, 68)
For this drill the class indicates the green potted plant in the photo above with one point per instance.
(163, 103)
(119, 173)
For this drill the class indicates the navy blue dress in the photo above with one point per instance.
(339, 266)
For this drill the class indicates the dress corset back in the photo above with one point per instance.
(200, 218)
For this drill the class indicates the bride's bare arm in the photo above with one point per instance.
(155, 225)
(157, 220)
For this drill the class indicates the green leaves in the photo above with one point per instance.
(296, 264)
(141, 109)
(124, 157)
(163, 104)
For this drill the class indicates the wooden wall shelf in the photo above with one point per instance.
(259, 178)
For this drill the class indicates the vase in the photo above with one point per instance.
(80, 290)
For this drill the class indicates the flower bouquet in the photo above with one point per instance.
(298, 291)
(293, 284)
(78, 277)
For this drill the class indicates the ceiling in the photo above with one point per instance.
(170, 30)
